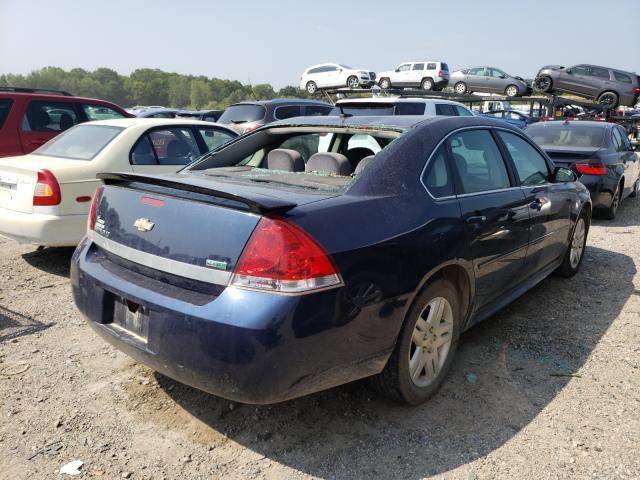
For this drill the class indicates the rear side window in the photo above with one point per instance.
(316, 110)
(418, 66)
(618, 140)
(431, 66)
(622, 77)
(437, 177)
(287, 111)
(98, 112)
(446, 109)
(599, 72)
(213, 138)
(463, 112)
(45, 116)
(167, 146)
(406, 108)
(478, 161)
(530, 165)
(5, 107)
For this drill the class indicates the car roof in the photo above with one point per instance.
(386, 100)
(563, 122)
(278, 101)
(151, 122)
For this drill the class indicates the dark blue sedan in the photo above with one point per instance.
(512, 117)
(316, 251)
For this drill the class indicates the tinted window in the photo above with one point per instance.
(418, 66)
(437, 177)
(174, 146)
(493, 72)
(315, 70)
(243, 113)
(287, 111)
(580, 70)
(81, 143)
(463, 112)
(599, 72)
(307, 145)
(316, 110)
(443, 66)
(404, 68)
(431, 66)
(5, 106)
(446, 110)
(476, 71)
(44, 116)
(530, 165)
(622, 77)
(618, 141)
(162, 115)
(98, 112)
(406, 108)
(142, 153)
(478, 161)
(213, 138)
(571, 135)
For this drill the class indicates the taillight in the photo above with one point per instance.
(47, 191)
(591, 168)
(636, 90)
(94, 206)
(440, 74)
(281, 257)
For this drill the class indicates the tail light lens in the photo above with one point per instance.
(636, 90)
(281, 257)
(94, 206)
(591, 168)
(440, 74)
(47, 191)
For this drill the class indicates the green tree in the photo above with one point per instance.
(200, 93)
(149, 87)
(179, 91)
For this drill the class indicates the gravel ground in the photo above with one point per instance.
(548, 388)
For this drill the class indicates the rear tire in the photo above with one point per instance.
(425, 347)
(636, 187)
(608, 99)
(543, 84)
(385, 83)
(610, 213)
(575, 251)
(426, 84)
(311, 87)
(353, 82)
(460, 88)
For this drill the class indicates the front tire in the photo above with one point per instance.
(543, 84)
(385, 83)
(511, 91)
(311, 87)
(575, 252)
(425, 347)
(353, 82)
(426, 84)
(460, 88)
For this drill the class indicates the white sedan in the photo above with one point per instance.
(45, 196)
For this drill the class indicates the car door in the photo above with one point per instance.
(574, 79)
(416, 74)
(164, 150)
(549, 203)
(494, 210)
(626, 157)
(475, 79)
(401, 75)
(598, 80)
(43, 120)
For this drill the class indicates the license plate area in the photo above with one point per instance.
(131, 319)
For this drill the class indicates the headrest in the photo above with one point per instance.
(177, 148)
(329, 162)
(363, 163)
(285, 159)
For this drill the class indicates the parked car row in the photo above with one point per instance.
(608, 86)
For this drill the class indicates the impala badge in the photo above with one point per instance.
(144, 224)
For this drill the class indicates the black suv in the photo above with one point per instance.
(608, 86)
(246, 116)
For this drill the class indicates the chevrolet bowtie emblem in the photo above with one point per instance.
(143, 224)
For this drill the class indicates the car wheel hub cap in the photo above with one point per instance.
(577, 244)
(430, 342)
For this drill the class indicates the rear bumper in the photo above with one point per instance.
(42, 229)
(246, 346)
(599, 189)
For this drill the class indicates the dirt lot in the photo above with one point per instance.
(548, 388)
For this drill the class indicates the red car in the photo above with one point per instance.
(32, 117)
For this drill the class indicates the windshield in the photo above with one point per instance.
(82, 142)
(317, 158)
(380, 109)
(571, 135)
(248, 112)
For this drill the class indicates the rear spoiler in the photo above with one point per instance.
(255, 202)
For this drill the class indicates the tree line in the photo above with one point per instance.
(149, 86)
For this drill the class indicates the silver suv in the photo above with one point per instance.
(488, 79)
(607, 86)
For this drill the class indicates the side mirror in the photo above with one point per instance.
(564, 175)
(568, 70)
(503, 76)
(397, 70)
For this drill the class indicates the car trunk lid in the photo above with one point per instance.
(568, 156)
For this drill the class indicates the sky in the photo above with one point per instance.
(274, 41)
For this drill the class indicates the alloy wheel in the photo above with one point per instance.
(353, 82)
(608, 99)
(460, 88)
(543, 84)
(430, 341)
(311, 87)
(427, 84)
(577, 243)
(512, 91)
(384, 84)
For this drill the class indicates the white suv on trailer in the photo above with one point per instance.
(335, 75)
(427, 75)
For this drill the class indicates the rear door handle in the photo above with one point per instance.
(476, 219)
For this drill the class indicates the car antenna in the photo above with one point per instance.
(342, 112)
